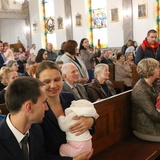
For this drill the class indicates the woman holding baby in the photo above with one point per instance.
(49, 73)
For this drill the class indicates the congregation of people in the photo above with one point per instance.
(48, 92)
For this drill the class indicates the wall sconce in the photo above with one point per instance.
(26, 30)
(126, 13)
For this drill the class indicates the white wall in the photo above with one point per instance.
(35, 7)
(59, 12)
(81, 8)
(115, 29)
(141, 26)
(12, 29)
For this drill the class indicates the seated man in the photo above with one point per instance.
(106, 57)
(101, 87)
(71, 77)
(21, 138)
(51, 55)
(21, 63)
(29, 65)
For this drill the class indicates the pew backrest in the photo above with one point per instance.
(118, 85)
(3, 109)
(113, 123)
(134, 75)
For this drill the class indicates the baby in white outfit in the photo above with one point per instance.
(76, 144)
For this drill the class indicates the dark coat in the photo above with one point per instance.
(25, 74)
(54, 137)
(95, 90)
(1, 61)
(83, 93)
(10, 149)
(2, 94)
(147, 52)
(106, 61)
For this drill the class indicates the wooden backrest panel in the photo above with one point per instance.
(16, 47)
(117, 84)
(113, 123)
(111, 70)
(3, 109)
(134, 75)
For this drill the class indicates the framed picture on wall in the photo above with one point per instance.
(60, 22)
(142, 10)
(78, 20)
(99, 18)
(114, 15)
(50, 25)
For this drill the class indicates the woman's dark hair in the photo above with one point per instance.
(119, 55)
(39, 57)
(81, 44)
(70, 47)
(61, 52)
(46, 64)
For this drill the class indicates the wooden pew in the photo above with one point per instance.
(118, 85)
(113, 138)
(3, 109)
(16, 47)
(134, 75)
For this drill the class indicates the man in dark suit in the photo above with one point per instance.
(2, 57)
(27, 107)
(51, 55)
(29, 64)
(106, 57)
(71, 77)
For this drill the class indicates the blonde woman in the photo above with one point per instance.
(145, 117)
(7, 76)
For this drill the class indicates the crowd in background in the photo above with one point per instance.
(75, 74)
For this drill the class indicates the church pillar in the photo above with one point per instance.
(127, 20)
(68, 19)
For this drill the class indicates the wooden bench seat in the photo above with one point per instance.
(114, 139)
(130, 148)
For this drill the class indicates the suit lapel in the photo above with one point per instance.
(68, 89)
(8, 140)
(80, 91)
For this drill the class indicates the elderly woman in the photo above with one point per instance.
(12, 64)
(145, 117)
(123, 72)
(101, 86)
(129, 59)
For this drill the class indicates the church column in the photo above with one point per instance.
(28, 34)
(127, 20)
(68, 18)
